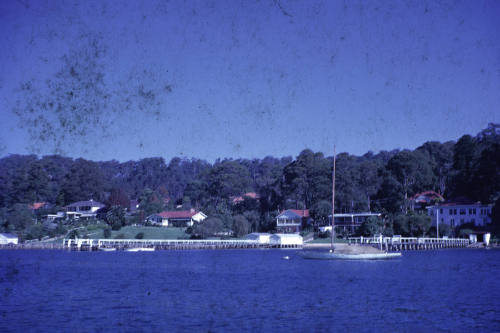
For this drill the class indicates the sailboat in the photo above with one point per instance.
(354, 253)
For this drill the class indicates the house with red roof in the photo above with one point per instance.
(177, 218)
(422, 199)
(291, 220)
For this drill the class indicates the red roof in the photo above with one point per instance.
(251, 195)
(427, 196)
(37, 205)
(301, 212)
(178, 214)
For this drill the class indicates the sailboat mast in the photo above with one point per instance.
(332, 234)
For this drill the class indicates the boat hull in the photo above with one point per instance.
(140, 249)
(348, 256)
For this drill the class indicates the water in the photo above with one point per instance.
(247, 290)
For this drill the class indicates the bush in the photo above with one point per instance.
(120, 236)
(74, 234)
(139, 235)
(107, 233)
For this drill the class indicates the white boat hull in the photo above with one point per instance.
(140, 249)
(107, 249)
(350, 256)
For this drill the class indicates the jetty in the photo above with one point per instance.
(397, 243)
(168, 244)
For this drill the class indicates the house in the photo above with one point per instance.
(423, 199)
(83, 209)
(459, 211)
(7, 238)
(177, 218)
(291, 220)
(262, 238)
(350, 221)
(286, 240)
(241, 198)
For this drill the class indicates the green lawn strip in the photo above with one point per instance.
(130, 232)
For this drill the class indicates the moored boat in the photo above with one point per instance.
(348, 256)
(140, 249)
(107, 249)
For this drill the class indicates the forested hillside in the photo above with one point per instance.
(378, 182)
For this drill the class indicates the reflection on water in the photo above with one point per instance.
(250, 290)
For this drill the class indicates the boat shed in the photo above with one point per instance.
(286, 240)
(8, 239)
(262, 238)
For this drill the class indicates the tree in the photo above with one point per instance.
(20, 218)
(150, 203)
(320, 212)
(115, 217)
(84, 181)
(209, 227)
(118, 197)
(372, 226)
(419, 224)
(495, 218)
(240, 225)
(413, 172)
(228, 178)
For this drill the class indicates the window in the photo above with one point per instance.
(463, 211)
(454, 212)
(450, 211)
(470, 211)
(441, 211)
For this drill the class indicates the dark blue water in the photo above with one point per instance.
(247, 290)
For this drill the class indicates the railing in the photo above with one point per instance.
(410, 243)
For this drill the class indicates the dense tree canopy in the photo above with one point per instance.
(378, 182)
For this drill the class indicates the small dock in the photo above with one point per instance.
(165, 244)
(410, 243)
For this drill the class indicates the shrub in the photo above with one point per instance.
(107, 233)
(140, 235)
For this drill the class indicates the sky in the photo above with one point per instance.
(208, 79)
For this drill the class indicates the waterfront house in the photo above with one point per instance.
(177, 218)
(349, 222)
(291, 220)
(83, 209)
(6, 238)
(460, 211)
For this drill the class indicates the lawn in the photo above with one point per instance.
(130, 232)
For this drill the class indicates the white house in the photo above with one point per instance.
(178, 218)
(83, 209)
(455, 214)
(8, 239)
(291, 220)
(286, 240)
(262, 238)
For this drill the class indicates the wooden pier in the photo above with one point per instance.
(165, 244)
(410, 243)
